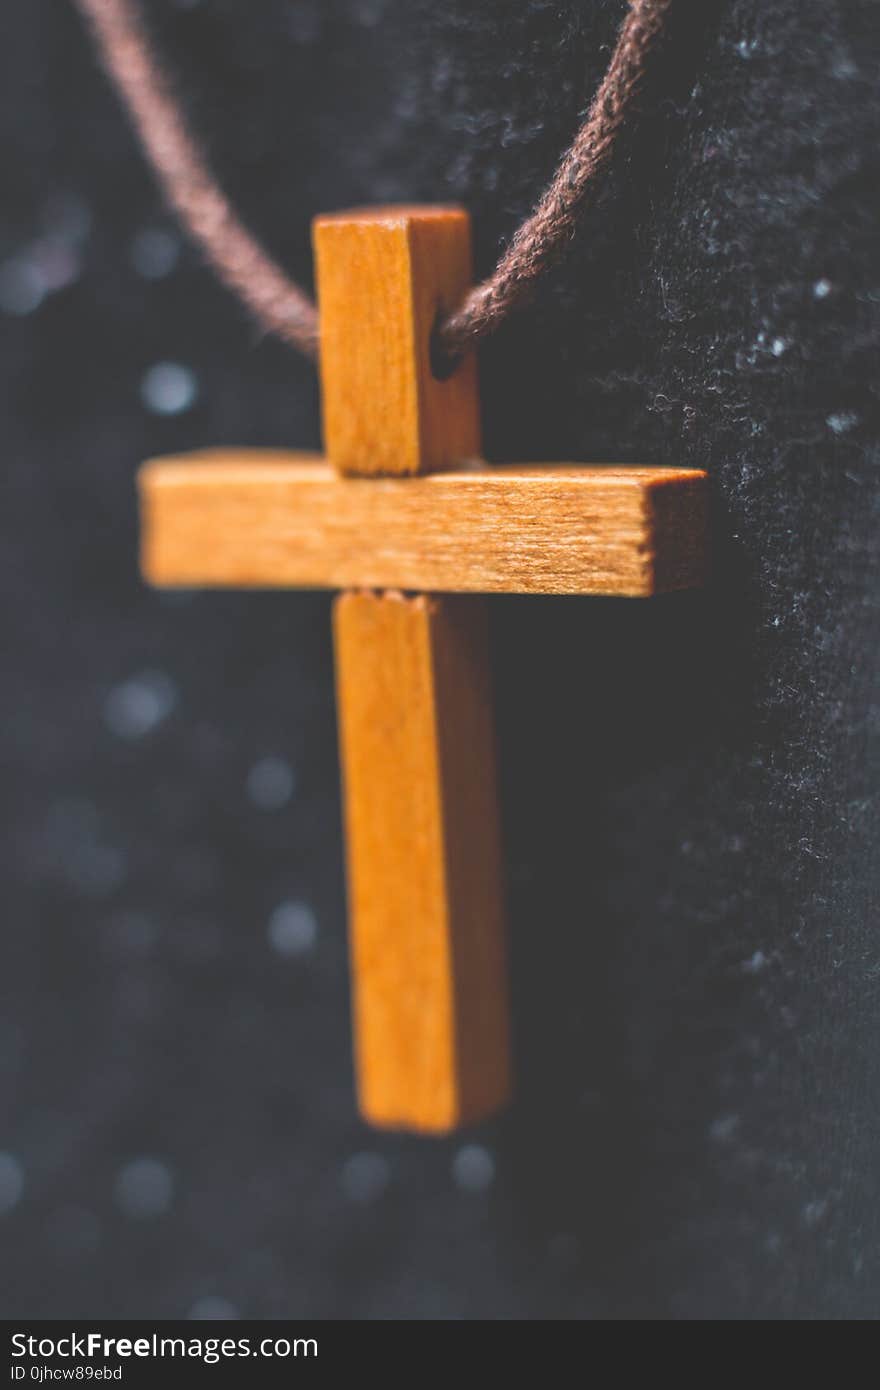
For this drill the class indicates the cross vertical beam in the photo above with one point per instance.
(429, 995)
(416, 729)
(383, 276)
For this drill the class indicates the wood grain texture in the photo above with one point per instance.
(269, 519)
(383, 274)
(424, 868)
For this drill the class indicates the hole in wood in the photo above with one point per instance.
(443, 366)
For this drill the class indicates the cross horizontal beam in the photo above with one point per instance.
(270, 519)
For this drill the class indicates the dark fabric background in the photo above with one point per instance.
(690, 844)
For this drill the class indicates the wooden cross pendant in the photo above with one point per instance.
(404, 519)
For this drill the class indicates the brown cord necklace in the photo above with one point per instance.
(276, 302)
(403, 517)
